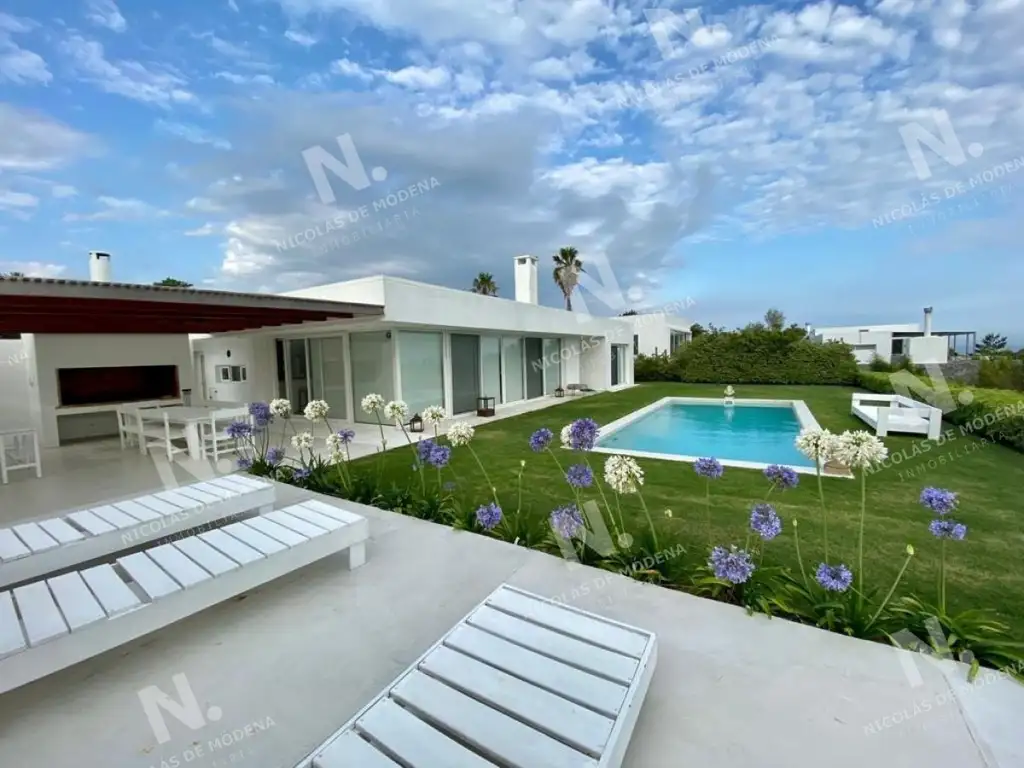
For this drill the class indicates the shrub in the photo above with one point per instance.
(1001, 373)
(992, 414)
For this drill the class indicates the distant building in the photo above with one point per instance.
(916, 342)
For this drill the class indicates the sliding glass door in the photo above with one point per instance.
(466, 371)
(372, 370)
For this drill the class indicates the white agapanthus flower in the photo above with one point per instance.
(303, 440)
(460, 433)
(281, 408)
(860, 450)
(434, 415)
(566, 437)
(316, 410)
(396, 410)
(623, 474)
(817, 444)
(372, 403)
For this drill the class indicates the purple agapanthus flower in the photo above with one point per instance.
(939, 500)
(765, 521)
(583, 434)
(489, 515)
(238, 429)
(567, 521)
(260, 413)
(346, 436)
(244, 463)
(708, 467)
(781, 477)
(541, 439)
(733, 565)
(301, 473)
(580, 476)
(834, 578)
(275, 456)
(947, 528)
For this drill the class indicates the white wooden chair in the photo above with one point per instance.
(19, 449)
(159, 435)
(32, 549)
(79, 614)
(213, 437)
(521, 682)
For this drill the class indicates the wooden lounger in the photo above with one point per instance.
(52, 623)
(32, 550)
(521, 682)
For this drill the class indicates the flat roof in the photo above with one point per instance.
(44, 305)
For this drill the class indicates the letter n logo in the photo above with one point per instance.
(185, 709)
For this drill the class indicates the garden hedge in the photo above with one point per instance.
(993, 414)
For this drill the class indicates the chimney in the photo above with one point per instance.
(927, 321)
(526, 279)
(99, 267)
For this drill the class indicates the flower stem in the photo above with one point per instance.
(891, 591)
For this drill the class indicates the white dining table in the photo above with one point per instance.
(189, 417)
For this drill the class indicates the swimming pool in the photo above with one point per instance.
(751, 433)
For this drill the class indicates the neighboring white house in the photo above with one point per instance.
(656, 333)
(431, 346)
(914, 341)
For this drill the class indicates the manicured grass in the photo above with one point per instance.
(989, 478)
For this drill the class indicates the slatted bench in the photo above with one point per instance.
(52, 623)
(522, 682)
(34, 549)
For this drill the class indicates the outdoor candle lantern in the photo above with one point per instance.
(485, 406)
(559, 392)
(416, 423)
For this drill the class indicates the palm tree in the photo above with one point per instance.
(567, 272)
(484, 284)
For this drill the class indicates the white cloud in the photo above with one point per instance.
(33, 268)
(104, 13)
(191, 133)
(118, 209)
(161, 86)
(301, 38)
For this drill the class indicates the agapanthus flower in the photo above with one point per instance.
(623, 474)
(238, 429)
(489, 515)
(372, 403)
(275, 456)
(579, 476)
(260, 413)
(281, 408)
(303, 440)
(834, 578)
(541, 439)
(583, 434)
(781, 477)
(396, 410)
(765, 521)
(732, 565)
(301, 473)
(565, 436)
(316, 410)
(244, 462)
(567, 521)
(708, 467)
(860, 450)
(434, 415)
(460, 433)
(947, 528)
(817, 445)
(939, 500)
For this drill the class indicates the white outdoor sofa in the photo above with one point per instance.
(895, 413)
(52, 623)
(521, 682)
(33, 549)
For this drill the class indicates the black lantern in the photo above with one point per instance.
(416, 423)
(559, 392)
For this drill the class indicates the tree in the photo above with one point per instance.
(990, 344)
(173, 282)
(484, 284)
(567, 272)
(628, 313)
(774, 319)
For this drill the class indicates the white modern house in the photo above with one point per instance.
(916, 342)
(73, 352)
(657, 333)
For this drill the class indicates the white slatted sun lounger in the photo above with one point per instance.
(522, 682)
(50, 624)
(33, 549)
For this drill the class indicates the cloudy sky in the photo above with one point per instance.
(843, 163)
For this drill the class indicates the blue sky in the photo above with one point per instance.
(743, 157)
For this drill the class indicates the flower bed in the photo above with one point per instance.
(589, 524)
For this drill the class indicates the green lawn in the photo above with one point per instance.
(989, 479)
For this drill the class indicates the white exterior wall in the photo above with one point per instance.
(53, 351)
(15, 397)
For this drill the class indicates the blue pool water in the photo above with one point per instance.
(757, 433)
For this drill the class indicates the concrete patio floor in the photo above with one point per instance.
(287, 664)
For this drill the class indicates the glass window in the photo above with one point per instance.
(513, 354)
(421, 359)
(490, 368)
(372, 370)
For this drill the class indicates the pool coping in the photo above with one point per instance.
(803, 416)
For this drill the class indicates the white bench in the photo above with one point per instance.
(521, 682)
(50, 624)
(895, 413)
(34, 549)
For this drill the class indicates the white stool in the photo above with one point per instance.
(19, 449)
